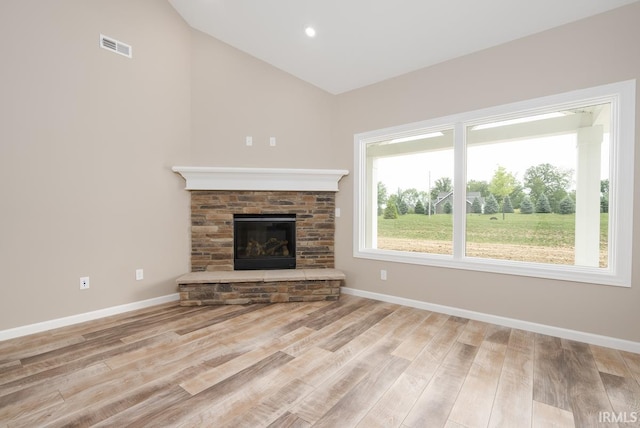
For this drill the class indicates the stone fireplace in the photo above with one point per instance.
(224, 198)
(212, 225)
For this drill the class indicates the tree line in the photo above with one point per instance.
(545, 188)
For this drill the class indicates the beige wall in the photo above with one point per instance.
(235, 95)
(87, 140)
(592, 52)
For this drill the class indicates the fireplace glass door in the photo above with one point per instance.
(264, 241)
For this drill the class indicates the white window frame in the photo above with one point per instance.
(621, 166)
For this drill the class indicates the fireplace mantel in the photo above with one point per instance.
(268, 179)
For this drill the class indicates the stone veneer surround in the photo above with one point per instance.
(212, 225)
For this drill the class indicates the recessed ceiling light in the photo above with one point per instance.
(310, 31)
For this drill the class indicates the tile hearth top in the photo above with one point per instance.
(216, 277)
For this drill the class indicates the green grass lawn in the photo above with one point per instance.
(546, 230)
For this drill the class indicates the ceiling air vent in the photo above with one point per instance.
(115, 46)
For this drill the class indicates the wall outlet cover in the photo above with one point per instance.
(84, 282)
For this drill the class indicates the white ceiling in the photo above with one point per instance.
(360, 42)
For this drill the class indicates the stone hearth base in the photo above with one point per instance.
(259, 286)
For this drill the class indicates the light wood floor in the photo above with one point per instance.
(355, 362)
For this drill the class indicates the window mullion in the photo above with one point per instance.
(460, 191)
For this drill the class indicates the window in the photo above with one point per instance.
(540, 188)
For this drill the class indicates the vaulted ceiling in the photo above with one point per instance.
(360, 42)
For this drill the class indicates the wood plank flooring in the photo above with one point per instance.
(351, 363)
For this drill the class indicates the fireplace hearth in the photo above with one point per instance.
(264, 241)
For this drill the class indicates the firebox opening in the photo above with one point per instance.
(264, 241)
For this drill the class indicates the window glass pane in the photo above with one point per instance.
(537, 187)
(412, 193)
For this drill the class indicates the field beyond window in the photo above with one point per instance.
(538, 238)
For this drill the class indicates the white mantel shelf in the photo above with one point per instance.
(268, 179)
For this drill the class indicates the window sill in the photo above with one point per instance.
(580, 274)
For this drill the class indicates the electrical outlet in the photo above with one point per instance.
(249, 141)
(139, 274)
(383, 274)
(84, 282)
(272, 141)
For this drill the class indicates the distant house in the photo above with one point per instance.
(443, 197)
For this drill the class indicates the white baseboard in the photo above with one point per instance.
(88, 316)
(594, 339)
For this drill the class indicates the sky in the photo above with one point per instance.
(407, 172)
